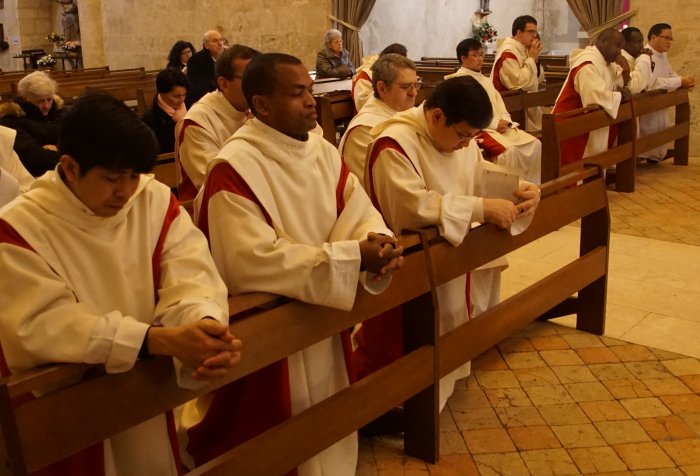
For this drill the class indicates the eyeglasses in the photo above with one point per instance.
(406, 86)
(534, 32)
(464, 136)
(667, 38)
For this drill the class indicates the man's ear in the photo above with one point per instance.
(222, 83)
(260, 105)
(381, 89)
(435, 116)
(70, 168)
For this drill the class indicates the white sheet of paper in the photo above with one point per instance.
(498, 181)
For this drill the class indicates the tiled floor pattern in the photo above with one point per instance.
(553, 400)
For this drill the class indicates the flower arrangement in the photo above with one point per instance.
(46, 61)
(54, 37)
(71, 45)
(484, 32)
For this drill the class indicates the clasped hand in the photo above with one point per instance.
(380, 255)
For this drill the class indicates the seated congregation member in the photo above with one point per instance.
(168, 107)
(505, 143)
(362, 88)
(123, 274)
(200, 68)
(10, 162)
(36, 116)
(660, 39)
(395, 88)
(593, 79)
(424, 169)
(333, 61)
(284, 216)
(212, 120)
(516, 65)
(180, 55)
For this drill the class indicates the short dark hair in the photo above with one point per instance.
(169, 79)
(397, 48)
(101, 131)
(462, 99)
(520, 22)
(657, 29)
(627, 32)
(174, 56)
(467, 45)
(260, 76)
(224, 63)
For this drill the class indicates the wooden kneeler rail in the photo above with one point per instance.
(80, 405)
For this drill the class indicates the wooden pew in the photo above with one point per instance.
(333, 108)
(678, 134)
(558, 127)
(68, 413)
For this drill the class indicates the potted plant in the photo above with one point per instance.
(56, 39)
(46, 61)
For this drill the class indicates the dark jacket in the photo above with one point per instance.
(33, 132)
(330, 65)
(201, 75)
(162, 125)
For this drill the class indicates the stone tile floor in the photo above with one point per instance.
(551, 400)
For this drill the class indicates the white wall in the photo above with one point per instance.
(434, 27)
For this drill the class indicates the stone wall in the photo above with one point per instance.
(684, 17)
(9, 17)
(130, 33)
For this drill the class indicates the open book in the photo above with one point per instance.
(498, 181)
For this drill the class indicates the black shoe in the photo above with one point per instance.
(391, 423)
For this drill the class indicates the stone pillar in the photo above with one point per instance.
(92, 33)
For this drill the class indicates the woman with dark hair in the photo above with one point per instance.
(168, 107)
(180, 54)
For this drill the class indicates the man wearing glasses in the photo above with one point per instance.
(515, 65)
(501, 139)
(212, 120)
(662, 76)
(424, 169)
(395, 85)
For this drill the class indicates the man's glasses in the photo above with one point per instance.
(667, 38)
(406, 86)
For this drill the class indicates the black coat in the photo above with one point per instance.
(201, 75)
(162, 125)
(33, 132)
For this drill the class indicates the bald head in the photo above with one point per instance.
(213, 42)
(610, 43)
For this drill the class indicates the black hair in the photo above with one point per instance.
(174, 56)
(101, 131)
(397, 48)
(224, 63)
(169, 78)
(462, 99)
(465, 46)
(657, 29)
(627, 32)
(520, 22)
(260, 76)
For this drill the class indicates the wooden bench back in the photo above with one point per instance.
(68, 412)
(332, 108)
(679, 133)
(558, 127)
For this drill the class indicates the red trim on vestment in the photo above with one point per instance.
(223, 178)
(170, 215)
(496, 77)
(571, 150)
(9, 235)
(358, 76)
(340, 188)
(185, 189)
(491, 145)
(380, 145)
(174, 442)
(242, 410)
